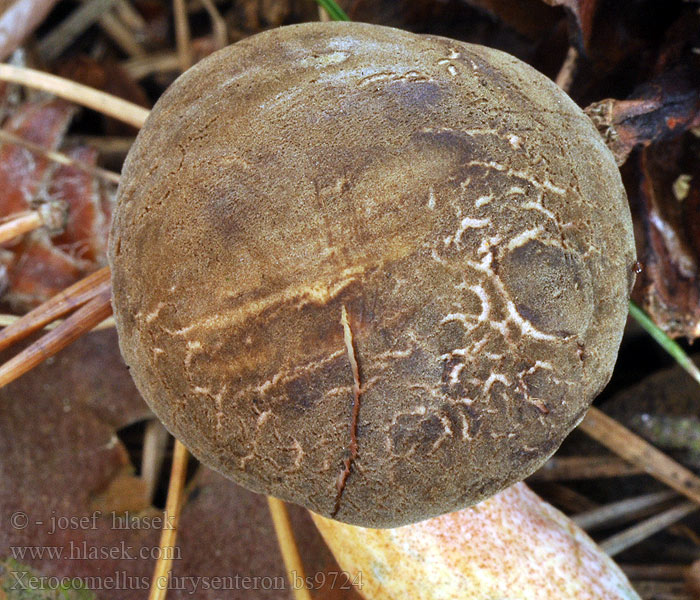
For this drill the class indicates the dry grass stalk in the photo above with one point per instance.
(75, 92)
(121, 35)
(638, 451)
(182, 35)
(624, 510)
(565, 77)
(80, 322)
(162, 62)
(19, 225)
(69, 299)
(71, 27)
(59, 157)
(218, 24)
(173, 508)
(288, 547)
(154, 444)
(6, 320)
(641, 531)
(572, 468)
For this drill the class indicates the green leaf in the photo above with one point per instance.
(334, 11)
(664, 341)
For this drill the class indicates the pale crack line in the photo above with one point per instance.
(357, 391)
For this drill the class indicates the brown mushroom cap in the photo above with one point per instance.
(454, 201)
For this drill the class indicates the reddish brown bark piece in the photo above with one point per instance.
(667, 232)
(659, 110)
(43, 263)
(84, 235)
(21, 172)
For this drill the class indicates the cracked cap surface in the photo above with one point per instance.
(460, 209)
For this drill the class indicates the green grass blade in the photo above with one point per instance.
(334, 11)
(664, 341)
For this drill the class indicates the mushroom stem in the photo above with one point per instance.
(173, 508)
(62, 303)
(80, 322)
(19, 225)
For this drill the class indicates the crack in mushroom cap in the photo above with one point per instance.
(461, 208)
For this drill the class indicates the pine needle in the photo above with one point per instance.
(664, 341)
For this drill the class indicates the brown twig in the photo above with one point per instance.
(59, 157)
(19, 225)
(69, 299)
(638, 451)
(121, 35)
(143, 66)
(173, 508)
(572, 468)
(218, 24)
(288, 548)
(662, 572)
(565, 77)
(75, 92)
(564, 497)
(71, 27)
(624, 510)
(182, 35)
(80, 322)
(109, 147)
(6, 320)
(635, 534)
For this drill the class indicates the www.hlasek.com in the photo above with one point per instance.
(85, 551)
(121, 580)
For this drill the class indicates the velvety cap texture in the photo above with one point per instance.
(375, 273)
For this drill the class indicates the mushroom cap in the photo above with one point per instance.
(460, 209)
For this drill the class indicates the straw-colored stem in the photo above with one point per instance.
(218, 24)
(62, 303)
(570, 468)
(638, 451)
(6, 320)
(75, 92)
(121, 35)
(182, 35)
(155, 440)
(288, 548)
(19, 225)
(80, 322)
(59, 157)
(565, 77)
(623, 510)
(641, 531)
(173, 508)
